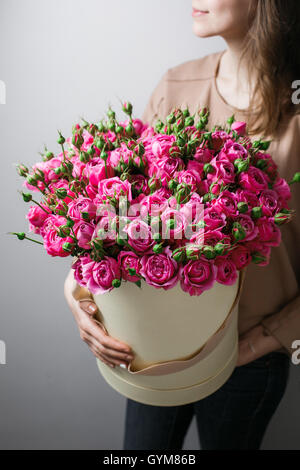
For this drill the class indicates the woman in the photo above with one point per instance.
(251, 79)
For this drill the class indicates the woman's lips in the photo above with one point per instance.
(198, 12)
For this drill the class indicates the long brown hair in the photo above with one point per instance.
(271, 48)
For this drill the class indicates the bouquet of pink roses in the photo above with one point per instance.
(171, 204)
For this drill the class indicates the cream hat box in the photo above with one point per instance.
(185, 347)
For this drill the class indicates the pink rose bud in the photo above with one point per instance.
(127, 108)
(22, 170)
(216, 189)
(116, 282)
(193, 252)
(281, 217)
(239, 127)
(296, 178)
(179, 124)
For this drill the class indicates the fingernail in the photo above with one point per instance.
(123, 366)
(91, 308)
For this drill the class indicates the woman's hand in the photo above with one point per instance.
(109, 350)
(254, 344)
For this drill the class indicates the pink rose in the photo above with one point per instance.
(271, 167)
(114, 188)
(224, 170)
(193, 209)
(138, 126)
(100, 275)
(140, 236)
(154, 204)
(83, 232)
(196, 167)
(61, 184)
(240, 256)
(174, 224)
(203, 155)
(225, 204)
(139, 184)
(109, 227)
(239, 127)
(78, 267)
(52, 242)
(254, 179)
(260, 252)
(232, 150)
(283, 190)
(91, 191)
(49, 168)
(245, 195)
(95, 171)
(212, 237)
(162, 144)
(126, 260)
(268, 199)
(40, 186)
(227, 273)
(203, 187)
(147, 135)
(218, 139)
(190, 177)
(78, 167)
(80, 205)
(160, 270)
(120, 154)
(165, 168)
(197, 276)
(36, 217)
(269, 232)
(88, 140)
(213, 218)
(248, 225)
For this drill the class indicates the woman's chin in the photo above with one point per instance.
(202, 31)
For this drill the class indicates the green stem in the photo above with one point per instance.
(83, 188)
(39, 189)
(63, 150)
(28, 238)
(32, 240)
(73, 234)
(33, 200)
(46, 184)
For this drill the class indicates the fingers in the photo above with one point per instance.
(112, 343)
(247, 353)
(106, 340)
(110, 349)
(101, 353)
(88, 307)
(98, 355)
(111, 354)
(103, 343)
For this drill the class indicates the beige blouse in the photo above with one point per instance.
(271, 293)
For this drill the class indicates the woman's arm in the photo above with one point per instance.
(254, 344)
(109, 350)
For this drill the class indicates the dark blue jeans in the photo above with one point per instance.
(234, 417)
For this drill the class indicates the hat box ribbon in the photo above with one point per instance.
(157, 324)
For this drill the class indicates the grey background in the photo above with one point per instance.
(62, 59)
